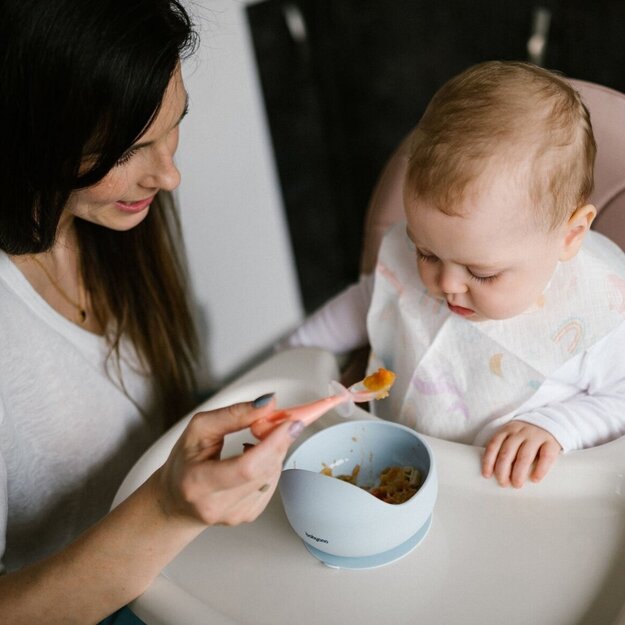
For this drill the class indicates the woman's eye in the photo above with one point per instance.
(125, 157)
(484, 278)
(428, 258)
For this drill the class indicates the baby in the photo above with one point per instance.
(500, 312)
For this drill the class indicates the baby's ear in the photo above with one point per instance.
(575, 230)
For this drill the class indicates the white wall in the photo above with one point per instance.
(241, 263)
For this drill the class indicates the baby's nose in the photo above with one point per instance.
(451, 280)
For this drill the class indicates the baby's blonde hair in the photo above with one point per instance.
(507, 114)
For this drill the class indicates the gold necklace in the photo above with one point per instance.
(82, 313)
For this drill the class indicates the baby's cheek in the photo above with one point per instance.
(427, 273)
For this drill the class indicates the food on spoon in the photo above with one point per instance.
(381, 381)
(396, 484)
(377, 383)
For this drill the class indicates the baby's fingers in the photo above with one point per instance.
(507, 457)
(547, 455)
(525, 457)
(491, 452)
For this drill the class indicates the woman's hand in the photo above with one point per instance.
(519, 451)
(195, 484)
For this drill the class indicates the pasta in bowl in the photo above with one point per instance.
(340, 521)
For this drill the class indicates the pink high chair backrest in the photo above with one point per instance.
(607, 112)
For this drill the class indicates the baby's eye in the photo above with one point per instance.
(428, 258)
(484, 279)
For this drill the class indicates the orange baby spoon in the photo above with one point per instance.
(375, 386)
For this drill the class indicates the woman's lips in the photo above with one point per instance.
(460, 310)
(134, 207)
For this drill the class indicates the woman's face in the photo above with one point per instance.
(121, 200)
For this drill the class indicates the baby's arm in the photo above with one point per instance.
(340, 325)
(581, 405)
(589, 418)
(529, 445)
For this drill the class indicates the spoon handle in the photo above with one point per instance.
(306, 413)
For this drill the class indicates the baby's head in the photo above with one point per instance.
(507, 118)
(496, 191)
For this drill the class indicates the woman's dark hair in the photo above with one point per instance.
(80, 81)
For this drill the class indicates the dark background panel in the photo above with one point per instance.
(345, 80)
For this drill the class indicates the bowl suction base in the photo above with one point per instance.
(374, 561)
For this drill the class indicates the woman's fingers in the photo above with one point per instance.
(261, 463)
(207, 429)
(236, 490)
(263, 426)
(197, 483)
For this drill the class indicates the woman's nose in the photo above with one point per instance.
(162, 173)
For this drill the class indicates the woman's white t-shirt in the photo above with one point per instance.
(68, 431)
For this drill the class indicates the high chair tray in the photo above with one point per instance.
(549, 554)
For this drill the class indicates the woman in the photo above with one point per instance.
(96, 333)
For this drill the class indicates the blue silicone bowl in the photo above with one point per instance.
(341, 524)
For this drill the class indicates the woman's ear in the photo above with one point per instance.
(575, 230)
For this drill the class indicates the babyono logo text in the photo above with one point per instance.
(316, 538)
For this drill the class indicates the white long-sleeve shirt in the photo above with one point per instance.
(582, 404)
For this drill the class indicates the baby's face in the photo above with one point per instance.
(492, 262)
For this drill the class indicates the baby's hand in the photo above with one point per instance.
(517, 451)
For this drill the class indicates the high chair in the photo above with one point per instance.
(549, 554)
(607, 113)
